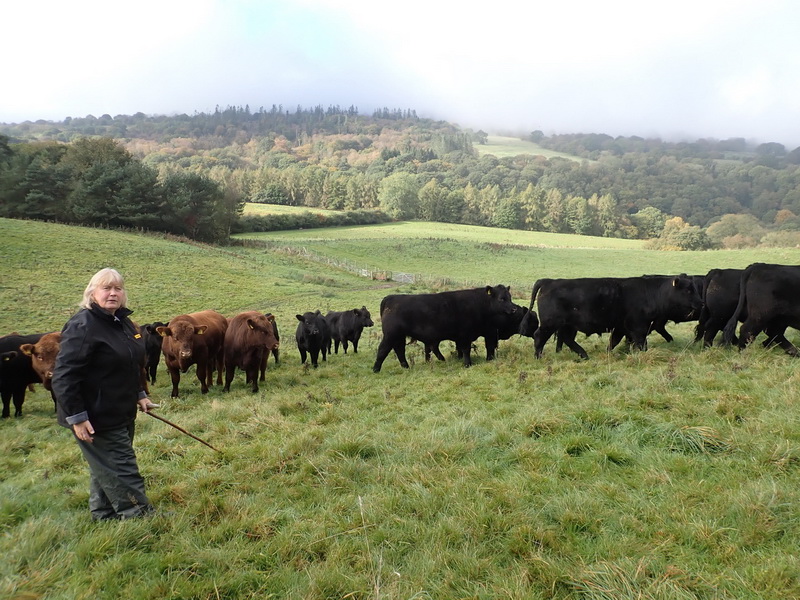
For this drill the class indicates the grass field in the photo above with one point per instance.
(671, 473)
(255, 208)
(503, 146)
(480, 255)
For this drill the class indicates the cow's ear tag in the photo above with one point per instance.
(137, 336)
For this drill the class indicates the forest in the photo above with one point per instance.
(192, 174)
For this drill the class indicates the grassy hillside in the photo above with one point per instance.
(478, 255)
(502, 146)
(671, 473)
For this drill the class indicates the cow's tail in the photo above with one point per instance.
(700, 328)
(729, 333)
(524, 326)
(536, 287)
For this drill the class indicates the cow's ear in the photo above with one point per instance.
(164, 331)
(6, 356)
(200, 330)
(676, 281)
(270, 317)
(27, 349)
(300, 318)
(356, 311)
(489, 290)
(250, 323)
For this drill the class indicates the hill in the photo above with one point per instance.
(417, 168)
(671, 473)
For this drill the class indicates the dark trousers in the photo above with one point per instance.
(117, 489)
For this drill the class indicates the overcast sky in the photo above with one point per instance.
(684, 69)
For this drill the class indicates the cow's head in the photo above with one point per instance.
(263, 324)
(500, 298)
(309, 322)
(43, 356)
(182, 335)
(363, 316)
(686, 293)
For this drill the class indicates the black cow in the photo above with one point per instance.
(16, 371)
(677, 316)
(720, 296)
(624, 307)
(346, 326)
(461, 316)
(313, 336)
(152, 347)
(503, 327)
(769, 293)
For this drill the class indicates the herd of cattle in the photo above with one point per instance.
(763, 297)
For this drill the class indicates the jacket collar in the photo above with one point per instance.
(121, 313)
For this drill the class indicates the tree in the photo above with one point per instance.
(649, 221)
(679, 235)
(746, 229)
(192, 207)
(398, 195)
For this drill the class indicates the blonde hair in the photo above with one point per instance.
(103, 277)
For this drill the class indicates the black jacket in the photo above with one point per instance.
(98, 369)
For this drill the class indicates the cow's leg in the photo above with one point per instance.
(616, 337)
(204, 373)
(662, 331)
(491, 341)
(252, 373)
(710, 330)
(400, 351)
(344, 344)
(303, 355)
(19, 398)
(465, 348)
(540, 337)
(383, 351)
(336, 345)
(314, 357)
(220, 367)
(325, 353)
(6, 395)
(230, 370)
(175, 376)
(356, 337)
(748, 332)
(775, 335)
(263, 367)
(568, 336)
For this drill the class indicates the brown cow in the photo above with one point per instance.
(248, 341)
(43, 356)
(196, 338)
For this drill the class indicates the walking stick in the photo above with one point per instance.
(181, 429)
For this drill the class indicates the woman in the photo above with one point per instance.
(97, 382)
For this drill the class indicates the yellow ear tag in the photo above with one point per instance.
(137, 336)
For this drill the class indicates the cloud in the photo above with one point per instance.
(686, 68)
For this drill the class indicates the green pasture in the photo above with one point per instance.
(256, 208)
(667, 474)
(468, 255)
(504, 146)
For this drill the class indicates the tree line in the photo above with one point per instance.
(98, 182)
(683, 195)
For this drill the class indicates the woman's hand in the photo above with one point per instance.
(84, 431)
(145, 405)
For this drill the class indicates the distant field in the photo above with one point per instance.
(255, 208)
(502, 146)
(480, 255)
